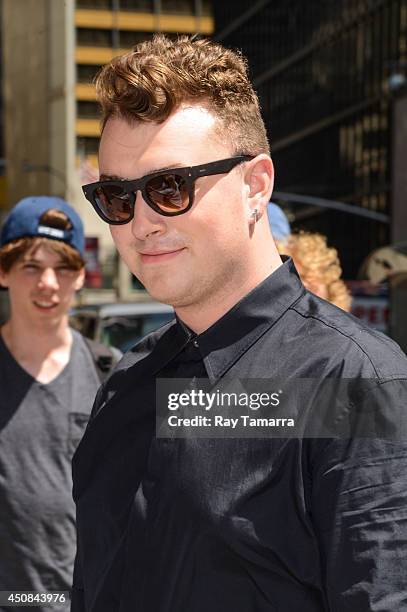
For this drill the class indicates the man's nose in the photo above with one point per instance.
(48, 279)
(146, 221)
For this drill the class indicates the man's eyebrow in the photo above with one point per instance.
(34, 260)
(114, 177)
(110, 177)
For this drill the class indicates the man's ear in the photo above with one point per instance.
(79, 280)
(260, 179)
(3, 279)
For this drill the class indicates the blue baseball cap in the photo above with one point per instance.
(280, 226)
(23, 221)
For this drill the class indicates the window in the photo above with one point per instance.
(94, 4)
(86, 73)
(129, 39)
(186, 7)
(88, 37)
(136, 5)
(87, 146)
(206, 7)
(88, 110)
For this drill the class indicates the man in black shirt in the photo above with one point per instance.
(306, 523)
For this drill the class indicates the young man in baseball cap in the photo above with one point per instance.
(48, 381)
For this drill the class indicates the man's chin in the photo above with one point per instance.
(166, 295)
(162, 296)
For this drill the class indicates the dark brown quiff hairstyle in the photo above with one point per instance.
(14, 251)
(160, 75)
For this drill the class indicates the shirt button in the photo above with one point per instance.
(195, 343)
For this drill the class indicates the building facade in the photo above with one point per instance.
(105, 28)
(331, 80)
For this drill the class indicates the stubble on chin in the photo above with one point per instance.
(166, 291)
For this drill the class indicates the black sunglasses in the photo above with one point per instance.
(168, 192)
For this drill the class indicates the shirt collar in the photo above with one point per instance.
(225, 341)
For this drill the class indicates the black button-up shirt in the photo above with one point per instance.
(242, 525)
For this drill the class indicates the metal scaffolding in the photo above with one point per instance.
(327, 74)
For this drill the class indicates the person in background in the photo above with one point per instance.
(317, 264)
(279, 223)
(49, 376)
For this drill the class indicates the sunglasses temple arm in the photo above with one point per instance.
(216, 167)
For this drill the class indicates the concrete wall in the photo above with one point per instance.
(26, 61)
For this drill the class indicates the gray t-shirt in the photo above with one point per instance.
(40, 427)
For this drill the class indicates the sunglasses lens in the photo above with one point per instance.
(169, 192)
(114, 202)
